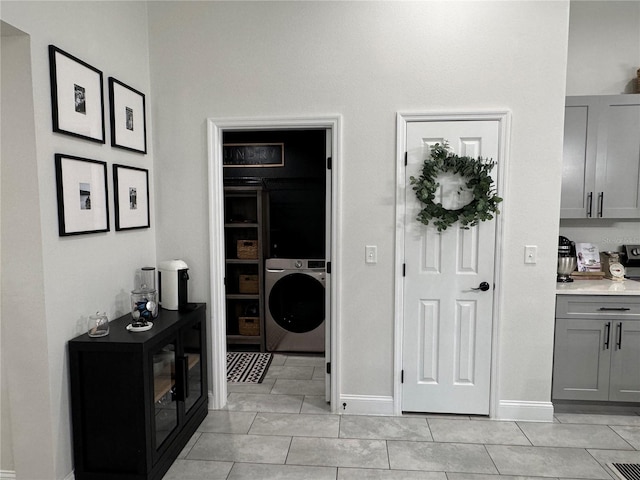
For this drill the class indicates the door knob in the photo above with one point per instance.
(484, 286)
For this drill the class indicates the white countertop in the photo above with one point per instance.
(599, 287)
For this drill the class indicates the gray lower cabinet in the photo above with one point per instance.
(597, 348)
(625, 363)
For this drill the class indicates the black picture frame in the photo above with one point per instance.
(131, 199)
(77, 97)
(127, 115)
(82, 193)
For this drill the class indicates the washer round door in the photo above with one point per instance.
(296, 303)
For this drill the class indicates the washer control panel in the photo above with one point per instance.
(316, 264)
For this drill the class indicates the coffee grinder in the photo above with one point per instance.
(566, 259)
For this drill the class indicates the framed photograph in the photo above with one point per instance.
(253, 155)
(128, 117)
(82, 195)
(132, 197)
(77, 101)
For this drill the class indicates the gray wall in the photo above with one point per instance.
(22, 267)
(367, 61)
(47, 298)
(604, 47)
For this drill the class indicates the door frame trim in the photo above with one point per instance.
(503, 117)
(217, 335)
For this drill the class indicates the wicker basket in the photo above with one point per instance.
(248, 284)
(247, 249)
(249, 326)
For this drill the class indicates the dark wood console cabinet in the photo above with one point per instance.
(138, 397)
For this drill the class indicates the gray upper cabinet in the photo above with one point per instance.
(601, 159)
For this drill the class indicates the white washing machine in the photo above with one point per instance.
(295, 305)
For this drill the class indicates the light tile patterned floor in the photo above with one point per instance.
(283, 429)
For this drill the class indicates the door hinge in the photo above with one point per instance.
(328, 267)
(328, 368)
(404, 269)
(329, 163)
(401, 376)
(405, 158)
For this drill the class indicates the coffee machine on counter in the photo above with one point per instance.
(566, 259)
(631, 261)
(172, 280)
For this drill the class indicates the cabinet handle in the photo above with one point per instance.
(619, 342)
(600, 203)
(186, 376)
(607, 335)
(589, 203)
(614, 309)
(181, 367)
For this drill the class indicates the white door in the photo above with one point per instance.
(327, 289)
(447, 328)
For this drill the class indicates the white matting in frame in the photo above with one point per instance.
(128, 117)
(76, 96)
(132, 197)
(82, 195)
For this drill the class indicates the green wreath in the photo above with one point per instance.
(480, 184)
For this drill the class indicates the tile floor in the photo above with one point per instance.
(282, 429)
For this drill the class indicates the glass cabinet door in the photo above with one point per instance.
(192, 350)
(164, 389)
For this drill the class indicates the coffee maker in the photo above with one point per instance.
(566, 259)
(172, 281)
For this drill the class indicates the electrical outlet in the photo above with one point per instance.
(530, 254)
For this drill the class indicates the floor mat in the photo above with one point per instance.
(247, 367)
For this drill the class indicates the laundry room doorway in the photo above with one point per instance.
(273, 228)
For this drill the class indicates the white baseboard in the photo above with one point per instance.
(11, 475)
(365, 405)
(517, 410)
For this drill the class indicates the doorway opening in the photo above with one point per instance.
(273, 216)
(275, 195)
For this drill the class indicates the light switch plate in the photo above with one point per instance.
(371, 254)
(530, 254)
